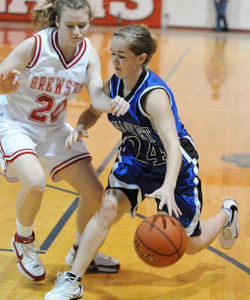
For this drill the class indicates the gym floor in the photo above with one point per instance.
(209, 74)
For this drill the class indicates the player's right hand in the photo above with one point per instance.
(75, 135)
(166, 196)
(119, 106)
(9, 82)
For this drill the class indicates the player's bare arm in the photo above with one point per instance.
(100, 101)
(158, 106)
(90, 116)
(17, 60)
(87, 119)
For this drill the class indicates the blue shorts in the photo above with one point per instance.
(136, 179)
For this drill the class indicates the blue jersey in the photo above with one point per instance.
(139, 135)
(141, 163)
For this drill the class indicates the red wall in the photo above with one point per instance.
(135, 10)
(131, 11)
(15, 15)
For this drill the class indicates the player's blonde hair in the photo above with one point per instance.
(139, 39)
(45, 16)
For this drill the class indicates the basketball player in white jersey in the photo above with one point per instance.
(37, 81)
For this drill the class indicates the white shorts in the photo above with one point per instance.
(47, 143)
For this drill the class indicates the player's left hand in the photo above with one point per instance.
(75, 135)
(9, 82)
(166, 196)
(119, 106)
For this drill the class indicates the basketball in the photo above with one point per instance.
(160, 240)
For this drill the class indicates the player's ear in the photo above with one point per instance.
(142, 58)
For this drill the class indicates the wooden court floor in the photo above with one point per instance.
(209, 74)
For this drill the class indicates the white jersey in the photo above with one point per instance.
(48, 82)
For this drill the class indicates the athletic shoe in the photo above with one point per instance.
(68, 287)
(100, 264)
(28, 262)
(231, 230)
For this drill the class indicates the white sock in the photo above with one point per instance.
(78, 238)
(229, 212)
(24, 231)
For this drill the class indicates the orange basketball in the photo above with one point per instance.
(160, 240)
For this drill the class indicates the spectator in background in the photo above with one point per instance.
(221, 6)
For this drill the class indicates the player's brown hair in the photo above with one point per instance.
(45, 16)
(140, 40)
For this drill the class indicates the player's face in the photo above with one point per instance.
(126, 63)
(72, 26)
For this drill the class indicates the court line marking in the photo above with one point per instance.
(230, 259)
(61, 189)
(176, 65)
(60, 224)
(63, 220)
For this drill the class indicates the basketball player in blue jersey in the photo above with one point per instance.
(156, 159)
(38, 79)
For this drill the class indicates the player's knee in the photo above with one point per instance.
(191, 251)
(36, 186)
(97, 196)
(99, 192)
(108, 215)
(191, 248)
(37, 189)
(94, 192)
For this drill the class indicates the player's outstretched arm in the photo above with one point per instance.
(100, 101)
(17, 60)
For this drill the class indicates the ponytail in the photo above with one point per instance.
(45, 15)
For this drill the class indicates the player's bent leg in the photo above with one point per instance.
(91, 194)
(32, 187)
(210, 228)
(114, 205)
(224, 223)
(28, 204)
(81, 176)
(93, 237)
